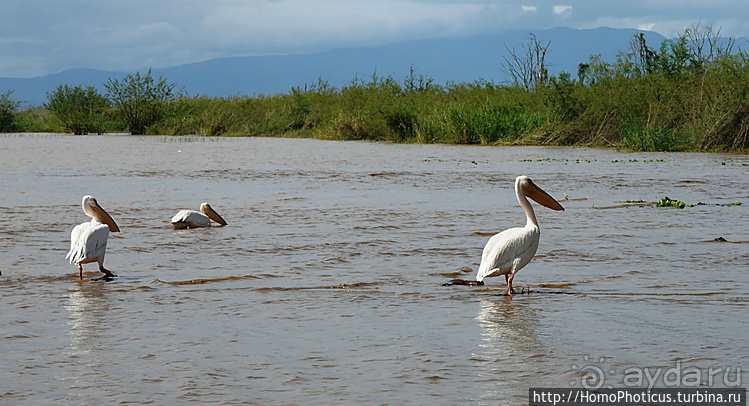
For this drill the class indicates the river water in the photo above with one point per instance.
(326, 285)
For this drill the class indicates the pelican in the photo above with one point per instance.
(88, 241)
(193, 219)
(508, 252)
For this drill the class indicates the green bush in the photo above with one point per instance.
(140, 101)
(8, 109)
(402, 122)
(37, 119)
(80, 110)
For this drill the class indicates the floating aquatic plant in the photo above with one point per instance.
(667, 202)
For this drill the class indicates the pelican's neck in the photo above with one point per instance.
(526, 205)
(91, 213)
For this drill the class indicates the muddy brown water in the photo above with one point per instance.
(326, 286)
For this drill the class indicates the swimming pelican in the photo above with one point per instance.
(508, 252)
(193, 219)
(88, 241)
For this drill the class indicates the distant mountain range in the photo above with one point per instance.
(466, 59)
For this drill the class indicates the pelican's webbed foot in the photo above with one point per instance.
(107, 273)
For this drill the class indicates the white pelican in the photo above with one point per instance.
(193, 219)
(88, 241)
(508, 252)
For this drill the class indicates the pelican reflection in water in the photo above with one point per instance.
(88, 241)
(193, 219)
(508, 252)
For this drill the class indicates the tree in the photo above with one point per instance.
(644, 58)
(528, 70)
(706, 45)
(8, 109)
(140, 100)
(80, 110)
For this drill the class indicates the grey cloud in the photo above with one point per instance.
(49, 36)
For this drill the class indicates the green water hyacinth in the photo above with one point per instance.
(667, 202)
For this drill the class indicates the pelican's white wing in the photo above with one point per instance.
(508, 251)
(191, 219)
(88, 242)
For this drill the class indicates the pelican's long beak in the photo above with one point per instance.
(106, 218)
(540, 196)
(213, 215)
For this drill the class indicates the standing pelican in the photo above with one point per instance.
(508, 252)
(88, 241)
(193, 219)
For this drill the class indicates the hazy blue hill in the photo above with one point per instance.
(445, 60)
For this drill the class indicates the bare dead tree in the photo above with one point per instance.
(705, 45)
(527, 68)
(518, 68)
(542, 75)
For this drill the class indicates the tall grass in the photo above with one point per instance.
(656, 139)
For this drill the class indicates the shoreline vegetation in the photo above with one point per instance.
(690, 94)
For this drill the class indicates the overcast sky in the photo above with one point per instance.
(38, 37)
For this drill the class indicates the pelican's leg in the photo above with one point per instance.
(508, 278)
(80, 271)
(106, 272)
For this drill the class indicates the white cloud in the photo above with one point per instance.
(562, 9)
(646, 26)
(529, 9)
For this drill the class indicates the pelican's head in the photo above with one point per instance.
(92, 209)
(538, 195)
(206, 209)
